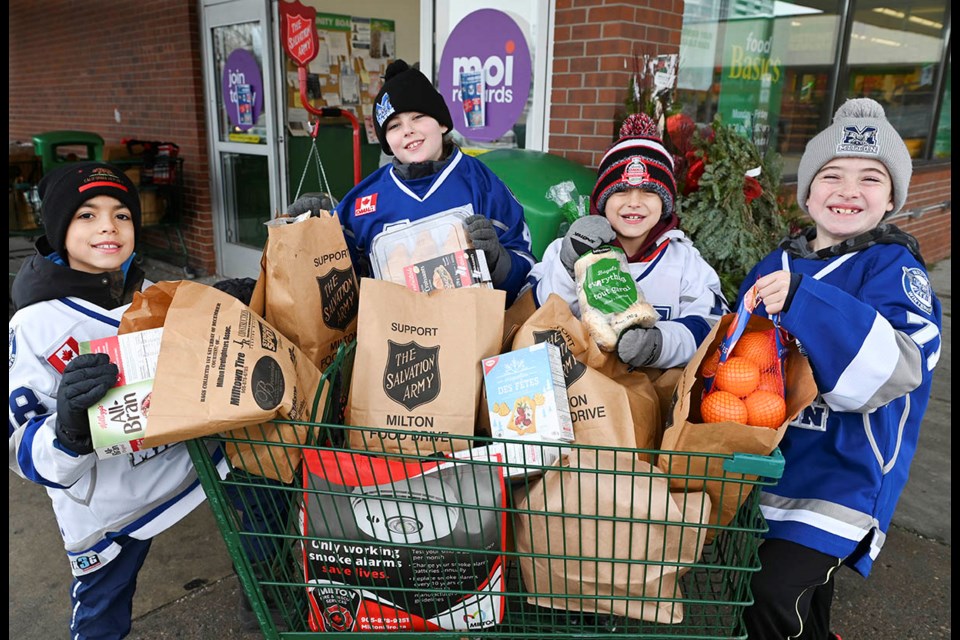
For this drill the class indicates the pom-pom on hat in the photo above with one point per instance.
(637, 160)
(406, 89)
(64, 189)
(860, 129)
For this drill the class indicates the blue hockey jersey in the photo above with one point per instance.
(870, 325)
(383, 199)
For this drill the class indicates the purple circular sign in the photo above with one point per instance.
(489, 42)
(242, 89)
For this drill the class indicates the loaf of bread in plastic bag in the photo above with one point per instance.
(610, 300)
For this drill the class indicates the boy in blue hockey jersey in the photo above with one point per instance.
(854, 292)
(76, 288)
(633, 207)
(430, 174)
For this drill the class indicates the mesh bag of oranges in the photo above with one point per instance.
(743, 380)
(743, 377)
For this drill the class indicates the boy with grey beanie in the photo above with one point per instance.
(854, 291)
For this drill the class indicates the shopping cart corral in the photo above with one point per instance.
(473, 546)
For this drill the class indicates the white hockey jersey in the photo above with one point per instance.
(674, 278)
(138, 495)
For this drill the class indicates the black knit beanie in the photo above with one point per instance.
(64, 189)
(637, 160)
(407, 89)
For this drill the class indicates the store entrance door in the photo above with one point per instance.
(241, 121)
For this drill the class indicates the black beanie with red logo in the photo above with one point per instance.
(63, 190)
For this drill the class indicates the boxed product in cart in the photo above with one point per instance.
(527, 396)
(396, 546)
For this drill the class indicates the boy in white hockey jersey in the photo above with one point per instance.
(854, 292)
(74, 289)
(632, 207)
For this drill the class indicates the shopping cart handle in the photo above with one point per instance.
(770, 466)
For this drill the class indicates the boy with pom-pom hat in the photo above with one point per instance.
(854, 291)
(632, 207)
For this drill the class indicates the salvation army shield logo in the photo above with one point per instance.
(339, 298)
(300, 39)
(412, 375)
(573, 369)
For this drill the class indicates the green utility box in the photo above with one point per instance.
(51, 147)
(529, 174)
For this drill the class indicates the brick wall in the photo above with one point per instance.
(594, 44)
(72, 63)
(929, 187)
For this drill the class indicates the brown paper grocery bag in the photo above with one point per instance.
(563, 520)
(516, 314)
(687, 433)
(148, 309)
(308, 291)
(618, 411)
(417, 365)
(222, 367)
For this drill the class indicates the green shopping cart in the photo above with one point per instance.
(497, 540)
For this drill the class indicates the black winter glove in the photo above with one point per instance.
(85, 380)
(312, 202)
(484, 236)
(585, 234)
(239, 288)
(639, 347)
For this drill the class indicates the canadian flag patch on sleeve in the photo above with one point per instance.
(63, 354)
(365, 204)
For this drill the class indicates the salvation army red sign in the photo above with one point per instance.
(491, 42)
(299, 32)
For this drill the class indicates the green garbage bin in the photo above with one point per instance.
(48, 146)
(529, 174)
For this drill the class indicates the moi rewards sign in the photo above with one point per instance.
(491, 42)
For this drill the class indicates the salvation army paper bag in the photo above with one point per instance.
(307, 289)
(609, 523)
(222, 367)
(417, 369)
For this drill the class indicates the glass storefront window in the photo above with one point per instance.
(894, 57)
(941, 145)
(247, 193)
(771, 68)
(242, 37)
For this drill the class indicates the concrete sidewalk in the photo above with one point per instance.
(187, 588)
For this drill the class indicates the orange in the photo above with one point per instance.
(738, 375)
(721, 406)
(770, 381)
(758, 346)
(765, 409)
(709, 367)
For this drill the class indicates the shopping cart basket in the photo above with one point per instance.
(394, 547)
